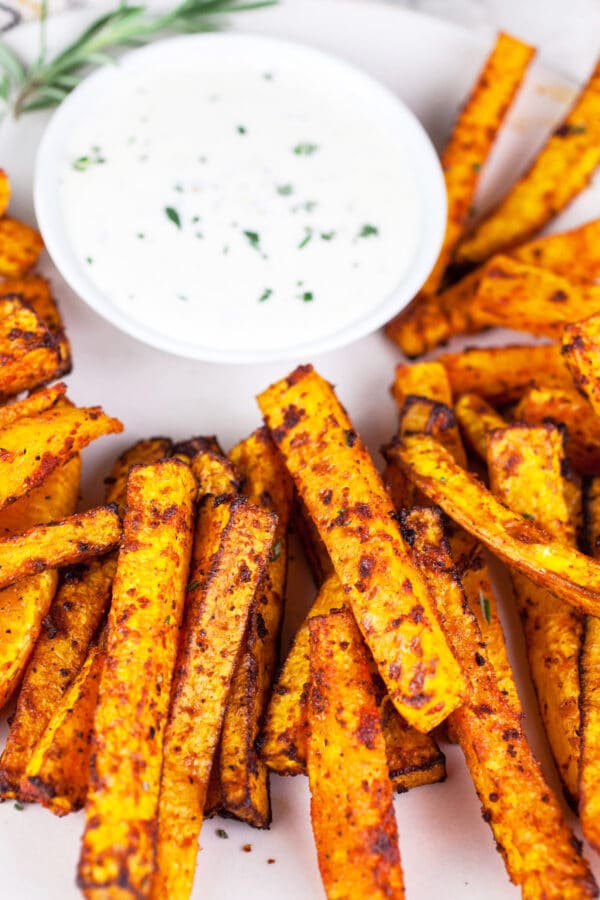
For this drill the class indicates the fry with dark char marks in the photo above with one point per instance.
(502, 374)
(581, 353)
(562, 169)
(566, 407)
(65, 543)
(31, 448)
(243, 776)
(465, 155)
(231, 550)
(518, 541)
(58, 773)
(24, 604)
(413, 758)
(351, 793)
(525, 466)
(574, 253)
(117, 855)
(29, 407)
(589, 671)
(346, 498)
(540, 852)
(37, 293)
(28, 351)
(61, 648)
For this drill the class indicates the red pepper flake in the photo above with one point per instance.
(247, 848)
(270, 862)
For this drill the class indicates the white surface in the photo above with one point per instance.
(447, 849)
(165, 127)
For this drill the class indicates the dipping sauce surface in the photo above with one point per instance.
(221, 201)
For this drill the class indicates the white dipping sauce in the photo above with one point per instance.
(238, 206)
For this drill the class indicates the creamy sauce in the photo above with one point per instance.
(237, 207)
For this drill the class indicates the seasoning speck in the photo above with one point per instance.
(19, 806)
(247, 848)
(368, 231)
(270, 862)
(221, 833)
(173, 216)
(193, 585)
(305, 149)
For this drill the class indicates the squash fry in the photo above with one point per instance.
(476, 419)
(515, 295)
(231, 550)
(243, 776)
(525, 466)
(30, 406)
(413, 758)
(348, 503)
(20, 247)
(473, 566)
(68, 629)
(24, 605)
(422, 326)
(214, 473)
(540, 852)
(36, 292)
(317, 557)
(426, 379)
(575, 254)
(351, 794)
(58, 773)
(65, 543)
(559, 172)
(501, 375)
(568, 408)
(117, 855)
(522, 544)
(4, 192)
(27, 349)
(589, 669)
(32, 448)
(580, 349)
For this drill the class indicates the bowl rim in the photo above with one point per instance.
(429, 179)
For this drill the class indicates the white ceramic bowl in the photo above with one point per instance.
(417, 151)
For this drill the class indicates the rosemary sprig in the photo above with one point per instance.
(47, 82)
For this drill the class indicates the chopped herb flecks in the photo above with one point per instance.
(173, 216)
(368, 231)
(168, 620)
(19, 806)
(193, 585)
(253, 238)
(486, 607)
(268, 76)
(89, 260)
(285, 189)
(94, 158)
(307, 296)
(140, 235)
(305, 149)
(308, 233)
(327, 235)
(265, 295)
(241, 129)
(221, 833)
(528, 516)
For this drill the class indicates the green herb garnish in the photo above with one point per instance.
(48, 81)
(285, 190)
(275, 552)
(168, 620)
(486, 608)
(241, 129)
(221, 833)
(265, 295)
(307, 296)
(19, 806)
(83, 163)
(305, 149)
(528, 516)
(368, 231)
(173, 216)
(253, 238)
(327, 235)
(308, 233)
